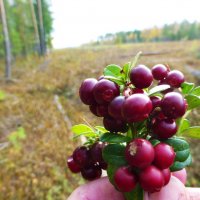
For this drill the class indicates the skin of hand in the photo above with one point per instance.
(102, 189)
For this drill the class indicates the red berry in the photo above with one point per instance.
(105, 91)
(96, 151)
(73, 165)
(86, 91)
(164, 128)
(136, 108)
(115, 107)
(173, 105)
(137, 90)
(156, 101)
(166, 175)
(92, 172)
(175, 78)
(114, 125)
(81, 156)
(141, 76)
(124, 179)
(151, 179)
(164, 156)
(139, 153)
(159, 72)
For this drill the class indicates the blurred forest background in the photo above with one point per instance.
(39, 93)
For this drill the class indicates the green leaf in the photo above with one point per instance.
(183, 157)
(135, 60)
(114, 138)
(119, 81)
(82, 129)
(126, 70)
(193, 101)
(196, 91)
(101, 129)
(154, 142)
(180, 165)
(184, 124)
(187, 87)
(136, 194)
(113, 70)
(111, 171)
(157, 89)
(193, 132)
(113, 154)
(2, 95)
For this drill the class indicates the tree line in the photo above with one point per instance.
(169, 32)
(29, 24)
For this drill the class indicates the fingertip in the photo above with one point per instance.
(181, 175)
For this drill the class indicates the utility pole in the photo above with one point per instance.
(41, 28)
(8, 56)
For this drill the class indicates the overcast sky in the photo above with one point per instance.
(81, 21)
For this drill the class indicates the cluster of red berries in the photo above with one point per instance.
(132, 104)
(148, 165)
(122, 106)
(88, 161)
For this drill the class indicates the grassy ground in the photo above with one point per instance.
(33, 165)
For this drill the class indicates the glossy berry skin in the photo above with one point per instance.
(173, 105)
(136, 108)
(125, 181)
(151, 179)
(92, 172)
(139, 153)
(141, 77)
(115, 107)
(105, 91)
(81, 156)
(114, 125)
(86, 91)
(166, 175)
(72, 165)
(175, 78)
(164, 156)
(159, 71)
(164, 128)
(96, 151)
(156, 101)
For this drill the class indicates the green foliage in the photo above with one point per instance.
(114, 138)
(2, 95)
(83, 129)
(183, 157)
(158, 89)
(192, 132)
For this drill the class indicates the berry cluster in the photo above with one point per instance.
(148, 165)
(138, 113)
(88, 161)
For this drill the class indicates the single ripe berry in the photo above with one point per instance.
(139, 153)
(86, 91)
(159, 71)
(105, 91)
(124, 180)
(166, 175)
(92, 172)
(175, 78)
(151, 179)
(114, 125)
(136, 108)
(81, 156)
(115, 107)
(73, 165)
(96, 151)
(164, 128)
(102, 110)
(164, 156)
(156, 101)
(173, 105)
(141, 77)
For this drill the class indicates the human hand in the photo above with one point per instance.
(102, 189)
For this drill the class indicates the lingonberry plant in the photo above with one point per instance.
(143, 137)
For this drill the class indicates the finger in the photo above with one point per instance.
(181, 175)
(95, 190)
(174, 190)
(194, 193)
